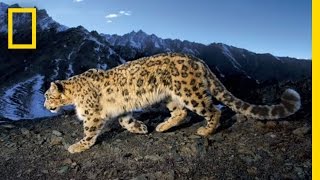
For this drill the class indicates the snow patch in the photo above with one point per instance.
(122, 60)
(24, 100)
(277, 58)
(48, 22)
(102, 66)
(97, 49)
(225, 51)
(219, 106)
(156, 44)
(56, 70)
(70, 54)
(70, 71)
(91, 38)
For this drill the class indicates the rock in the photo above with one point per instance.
(193, 136)
(74, 164)
(56, 140)
(271, 124)
(19, 173)
(157, 175)
(271, 134)
(301, 131)
(65, 145)
(56, 133)
(284, 123)
(153, 157)
(252, 171)
(40, 141)
(45, 171)
(12, 145)
(92, 175)
(185, 169)
(111, 172)
(259, 124)
(171, 133)
(25, 131)
(190, 150)
(74, 134)
(249, 160)
(28, 171)
(217, 137)
(63, 169)
(87, 164)
(288, 176)
(299, 172)
(67, 161)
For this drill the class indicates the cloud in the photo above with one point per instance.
(77, 0)
(126, 13)
(110, 16)
(116, 15)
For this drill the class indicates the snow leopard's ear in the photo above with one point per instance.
(57, 86)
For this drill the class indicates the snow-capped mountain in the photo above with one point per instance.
(44, 21)
(23, 20)
(227, 60)
(134, 44)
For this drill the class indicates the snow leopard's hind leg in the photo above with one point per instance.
(178, 114)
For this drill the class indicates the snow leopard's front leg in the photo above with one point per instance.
(92, 125)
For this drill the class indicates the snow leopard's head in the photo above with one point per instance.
(55, 97)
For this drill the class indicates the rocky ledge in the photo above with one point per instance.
(239, 149)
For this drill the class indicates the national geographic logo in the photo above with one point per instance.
(11, 11)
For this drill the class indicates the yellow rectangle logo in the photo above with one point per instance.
(11, 11)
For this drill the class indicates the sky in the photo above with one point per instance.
(279, 27)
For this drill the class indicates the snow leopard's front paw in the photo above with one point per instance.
(138, 128)
(133, 125)
(77, 147)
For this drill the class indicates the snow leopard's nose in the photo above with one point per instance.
(52, 109)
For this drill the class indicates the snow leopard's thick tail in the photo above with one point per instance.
(290, 102)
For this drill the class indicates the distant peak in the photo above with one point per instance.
(3, 5)
(81, 27)
(43, 11)
(15, 6)
(140, 31)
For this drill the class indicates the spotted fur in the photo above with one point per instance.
(187, 81)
